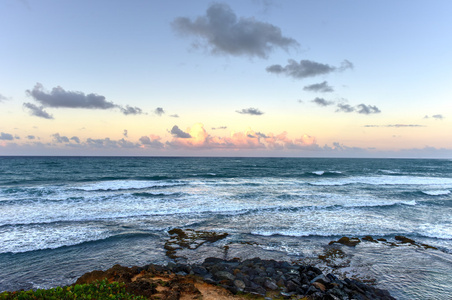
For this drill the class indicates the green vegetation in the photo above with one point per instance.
(96, 290)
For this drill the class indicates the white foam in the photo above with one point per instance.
(437, 192)
(318, 173)
(386, 180)
(116, 185)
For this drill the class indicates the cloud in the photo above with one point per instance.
(322, 102)
(307, 68)
(129, 110)
(219, 128)
(60, 98)
(174, 116)
(75, 139)
(437, 117)
(159, 111)
(221, 32)
(3, 98)
(60, 139)
(396, 125)
(125, 132)
(152, 141)
(367, 109)
(344, 108)
(250, 111)
(178, 133)
(6, 136)
(322, 87)
(31, 137)
(37, 111)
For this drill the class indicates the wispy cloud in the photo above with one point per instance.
(307, 68)
(37, 111)
(396, 125)
(322, 102)
(250, 111)
(159, 111)
(367, 109)
(322, 87)
(436, 117)
(3, 98)
(125, 132)
(221, 32)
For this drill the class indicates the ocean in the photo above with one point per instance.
(61, 217)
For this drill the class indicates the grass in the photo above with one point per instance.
(96, 290)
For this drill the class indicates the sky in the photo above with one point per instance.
(259, 78)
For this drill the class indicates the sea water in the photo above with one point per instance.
(63, 216)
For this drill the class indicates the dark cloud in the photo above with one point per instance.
(37, 111)
(250, 111)
(367, 109)
(129, 110)
(319, 87)
(218, 128)
(60, 139)
(31, 137)
(322, 102)
(261, 135)
(17, 137)
(125, 132)
(75, 139)
(153, 143)
(176, 132)
(159, 111)
(174, 116)
(307, 68)
(59, 97)
(221, 32)
(6, 136)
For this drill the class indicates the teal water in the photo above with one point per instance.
(63, 216)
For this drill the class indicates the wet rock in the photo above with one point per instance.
(351, 242)
(369, 239)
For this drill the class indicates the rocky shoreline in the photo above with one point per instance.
(235, 278)
(229, 279)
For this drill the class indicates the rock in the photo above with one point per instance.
(369, 239)
(404, 240)
(351, 242)
(319, 286)
(239, 284)
(270, 284)
(223, 275)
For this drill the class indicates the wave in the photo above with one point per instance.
(326, 173)
(436, 192)
(117, 185)
(78, 241)
(385, 180)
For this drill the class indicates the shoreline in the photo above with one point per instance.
(234, 279)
